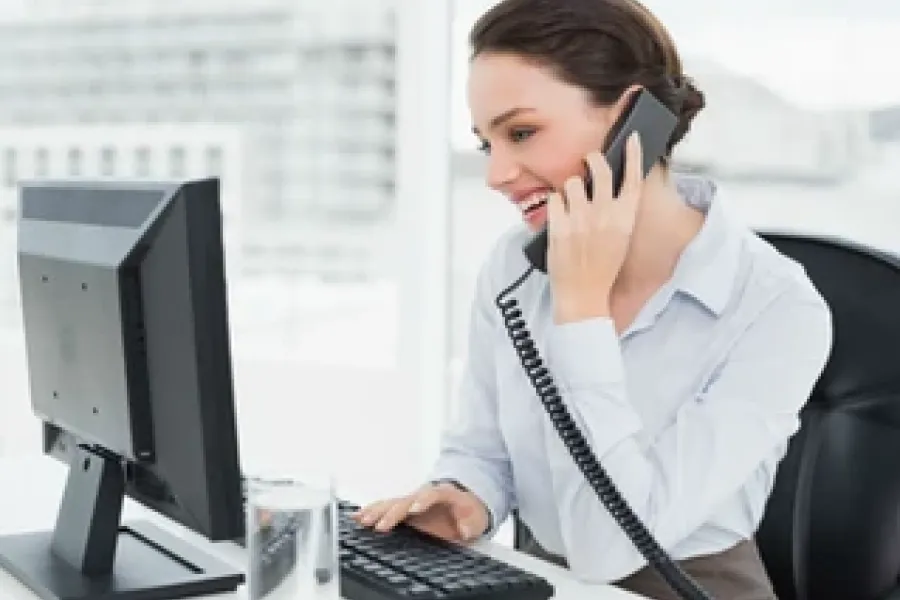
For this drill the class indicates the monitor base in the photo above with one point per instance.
(149, 564)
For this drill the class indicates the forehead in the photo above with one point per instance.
(500, 82)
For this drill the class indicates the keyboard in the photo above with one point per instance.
(403, 564)
(406, 564)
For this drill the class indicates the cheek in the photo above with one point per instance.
(559, 157)
(555, 167)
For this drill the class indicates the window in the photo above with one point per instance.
(107, 161)
(75, 159)
(330, 327)
(214, 161)
(41, 162)
(142, 164)
(177, 162)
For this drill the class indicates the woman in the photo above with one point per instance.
(683, 345)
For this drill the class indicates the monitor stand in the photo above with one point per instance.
(90, 556)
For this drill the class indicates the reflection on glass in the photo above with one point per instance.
(292, 540)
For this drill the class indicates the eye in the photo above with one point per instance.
(520, 134)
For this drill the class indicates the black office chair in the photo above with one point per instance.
(831, 530)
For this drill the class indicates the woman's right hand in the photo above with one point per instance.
(441, 509)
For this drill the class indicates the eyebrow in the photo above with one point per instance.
(503, 117)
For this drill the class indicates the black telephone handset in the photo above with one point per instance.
(655, 123)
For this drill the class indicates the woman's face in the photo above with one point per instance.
(535, 129)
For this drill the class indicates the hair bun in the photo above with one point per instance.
(693, 100)
(688, 101)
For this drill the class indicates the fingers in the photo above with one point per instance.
(411, 505)
(460, 515)
(373, 513)
(576, 199)
(556, 213)
(426, 499)
(395, 514)
(387, 514)
(601, 175)
(633, 177)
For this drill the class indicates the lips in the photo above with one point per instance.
(535, 206)
(532, 201)
(536, 217)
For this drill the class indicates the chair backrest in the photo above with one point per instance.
(832, 526)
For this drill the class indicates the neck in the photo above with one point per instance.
(665, 225)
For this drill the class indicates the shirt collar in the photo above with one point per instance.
(708, 266)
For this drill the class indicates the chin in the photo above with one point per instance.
(536, 222)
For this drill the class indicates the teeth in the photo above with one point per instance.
(534, 201)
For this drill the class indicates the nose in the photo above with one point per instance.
(501, 170)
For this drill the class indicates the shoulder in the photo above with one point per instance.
(776, 274)
(773, 292)
(749, 273)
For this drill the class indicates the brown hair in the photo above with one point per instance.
(602, 46)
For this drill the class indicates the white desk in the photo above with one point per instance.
(30, 491)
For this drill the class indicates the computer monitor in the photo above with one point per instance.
(126, 328)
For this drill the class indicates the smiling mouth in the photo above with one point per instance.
(534, 201)
(536, 206)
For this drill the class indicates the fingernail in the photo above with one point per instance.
(634, 137)
(465, 532)
(416, 508)
(367, 520)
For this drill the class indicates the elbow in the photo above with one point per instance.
(598, 549)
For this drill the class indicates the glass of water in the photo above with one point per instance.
(292, 538)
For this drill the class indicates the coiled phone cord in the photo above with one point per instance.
(582, 453)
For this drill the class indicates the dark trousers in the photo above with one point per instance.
(735, 574)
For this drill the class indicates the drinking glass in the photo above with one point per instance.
(292, 538)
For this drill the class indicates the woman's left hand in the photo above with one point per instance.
(588, 239)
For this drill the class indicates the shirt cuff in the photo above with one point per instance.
(585, 354)
(484, 489)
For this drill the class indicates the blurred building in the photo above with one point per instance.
(748, 132)
(154, 152)
(310, 87)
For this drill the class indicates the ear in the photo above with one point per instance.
(616, 110)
